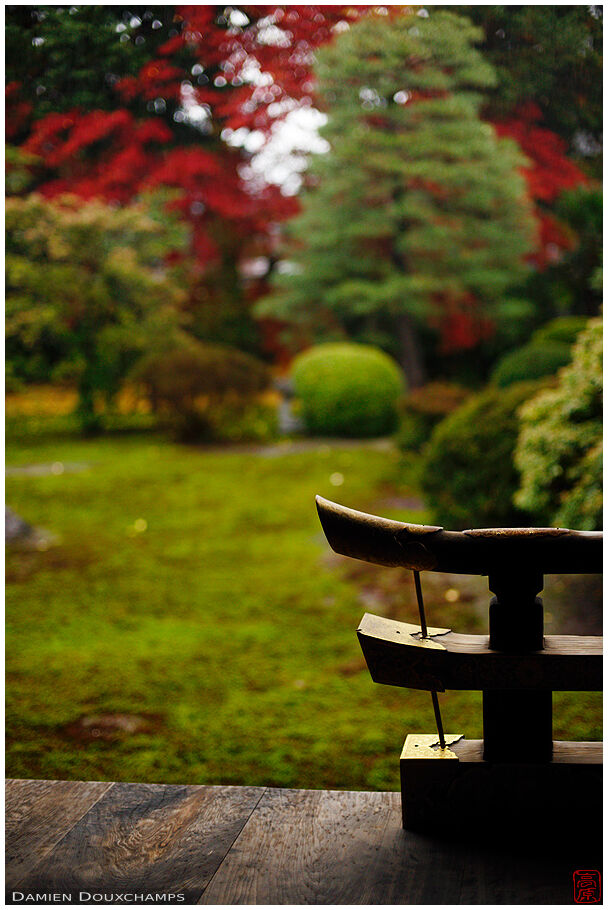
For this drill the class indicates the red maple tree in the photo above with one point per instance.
(242, 74)
(253, 81)
(548, 174)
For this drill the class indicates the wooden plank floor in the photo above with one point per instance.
(133, 843)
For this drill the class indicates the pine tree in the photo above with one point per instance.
(418, 213)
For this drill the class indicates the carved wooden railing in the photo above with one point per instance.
(516, 666)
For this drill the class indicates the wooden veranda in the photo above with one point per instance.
(71, 841)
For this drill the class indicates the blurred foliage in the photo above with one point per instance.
(468, 475)
(549, 54)
(19, 167)
(220, 309)
(198, 386)
(433, 219)
(54, 400)
(256, 421)
(423, 408)
(567, 286)
(563, 330)
(533, 361)
(99, 92)
(549, 349)
(67, 58)
(559, 450)
(117, 100)
(582, 211)
(87, 289)
(568, 282)
(347, 390)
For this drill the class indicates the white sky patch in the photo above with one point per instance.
(238, 19)
(198, 115)
(280, 159)
(284, 157)
(270, 34)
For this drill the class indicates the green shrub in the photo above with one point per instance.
(413, 431)
(559, 451)
(563, 330)
(255, 423)
(12, 382)
(549, 349)
(348, 389)
(423, 408)
(468, 475)
(197, 386)
(531, 362)
(84, 289)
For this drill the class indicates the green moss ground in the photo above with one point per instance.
(223, 623)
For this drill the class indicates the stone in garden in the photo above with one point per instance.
(18, 533)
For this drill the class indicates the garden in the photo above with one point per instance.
(255, 254)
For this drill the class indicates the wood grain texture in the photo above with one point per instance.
(566, 663)
(39, 813)
(249, 845)
(146, 839)
(319, 847)
(329, 847)
(564, 753)
(481, 551)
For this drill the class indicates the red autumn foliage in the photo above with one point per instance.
(549, 173)
(116, 154)
(18, 111)
(156, 78)
(461, 324)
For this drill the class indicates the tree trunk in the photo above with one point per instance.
(90, 421)
(411, 354)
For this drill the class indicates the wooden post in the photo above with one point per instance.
(516, 722)
(448, 783)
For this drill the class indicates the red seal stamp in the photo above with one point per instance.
(587, 886)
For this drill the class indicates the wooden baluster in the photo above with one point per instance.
(517, 724)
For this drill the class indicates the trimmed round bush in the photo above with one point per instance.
(193, 384)
(347, 390)
(531, 362)
(468, 475)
